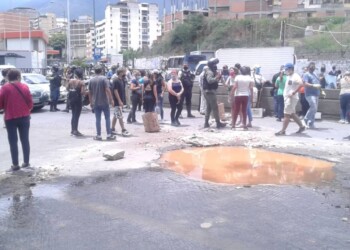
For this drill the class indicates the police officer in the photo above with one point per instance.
(55, 84)
(187, 78)
(210, 85)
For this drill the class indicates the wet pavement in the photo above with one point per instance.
(77, 200)
(155, 208)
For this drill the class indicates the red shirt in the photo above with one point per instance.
(12, 101)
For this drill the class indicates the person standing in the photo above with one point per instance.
(203, 102)
(187, 78)
(76, 89)
(210, 85)
(175, 90)
(243, 86)
(136, 96)
(149, 94)
(69, 76)
(280, 84)
(100, 97)
(160, 83)
(312, 92)
(275, 90)
(344, 98)
(259, 81)
(117, 89)
(290, 94)
(16, 100)
(55, 84)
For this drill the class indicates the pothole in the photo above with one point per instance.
(244, 166)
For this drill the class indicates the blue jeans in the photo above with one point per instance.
(249, 110)
(310, 115)
(280, 106)
(344, 106)
(160, 105)
(22, 125)
(98, 112)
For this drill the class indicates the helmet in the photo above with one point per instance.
(213, 61)
(55, 68)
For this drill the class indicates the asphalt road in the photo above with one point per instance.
(76, 200)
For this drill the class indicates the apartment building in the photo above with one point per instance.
(129, 24)
(78, 29)
(238, 9)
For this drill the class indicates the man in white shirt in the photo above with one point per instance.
(291, 98)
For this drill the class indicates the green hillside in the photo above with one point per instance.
(199, 33)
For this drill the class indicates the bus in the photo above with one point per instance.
(177, 62)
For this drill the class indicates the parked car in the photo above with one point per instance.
(39, 95)
(42, 82)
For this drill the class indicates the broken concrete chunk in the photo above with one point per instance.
(113, 155)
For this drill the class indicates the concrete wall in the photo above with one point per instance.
(329, 107)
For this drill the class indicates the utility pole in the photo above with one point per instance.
(68, 34)
(260, 9)
(283, 33)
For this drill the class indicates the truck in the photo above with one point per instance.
(270, 59)
(114, 59)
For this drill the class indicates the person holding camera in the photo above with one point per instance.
(211, 81)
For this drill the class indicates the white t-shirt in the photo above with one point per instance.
(243, 85)
(292, 84)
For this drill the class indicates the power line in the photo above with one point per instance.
(323, 31)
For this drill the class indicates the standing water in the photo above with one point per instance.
(244, 166)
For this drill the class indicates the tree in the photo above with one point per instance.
(130, 55)
(58, 42)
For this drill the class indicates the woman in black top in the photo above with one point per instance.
(136, 96)
(149, 90)
(76, 89)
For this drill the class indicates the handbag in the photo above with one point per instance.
(20, 92)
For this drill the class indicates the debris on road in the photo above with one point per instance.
(114, 155)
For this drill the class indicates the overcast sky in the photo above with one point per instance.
(78, 7)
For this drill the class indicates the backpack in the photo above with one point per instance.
(187, 79)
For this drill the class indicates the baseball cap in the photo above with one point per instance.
(289, 66)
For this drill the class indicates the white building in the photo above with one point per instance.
(129, 24)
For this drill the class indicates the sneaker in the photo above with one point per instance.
(125, 133)
(77, 133)
(15, 167)
(191, 116)
(249, 125)
(113, 132)
(178, 123)
(206, 125)
(278, 120)
(301, 130)
(220, 125)
(280, 133)
(128, 121)
(341, 121)
(174, 124)
(111, 137)
(97, 138)
(304, 123)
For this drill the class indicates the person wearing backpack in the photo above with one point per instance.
(187, 78)
(76, 89)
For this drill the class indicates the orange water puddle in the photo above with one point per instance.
(243, 166)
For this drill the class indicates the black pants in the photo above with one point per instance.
(304, 105)
(135, 99)
(76, 107)
(149, 104)
(22, 125)
(187, 96)
(176, 107)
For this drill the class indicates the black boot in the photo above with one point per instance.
(55, 107)
(52, 108)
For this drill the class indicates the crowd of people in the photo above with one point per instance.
(124, 89)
